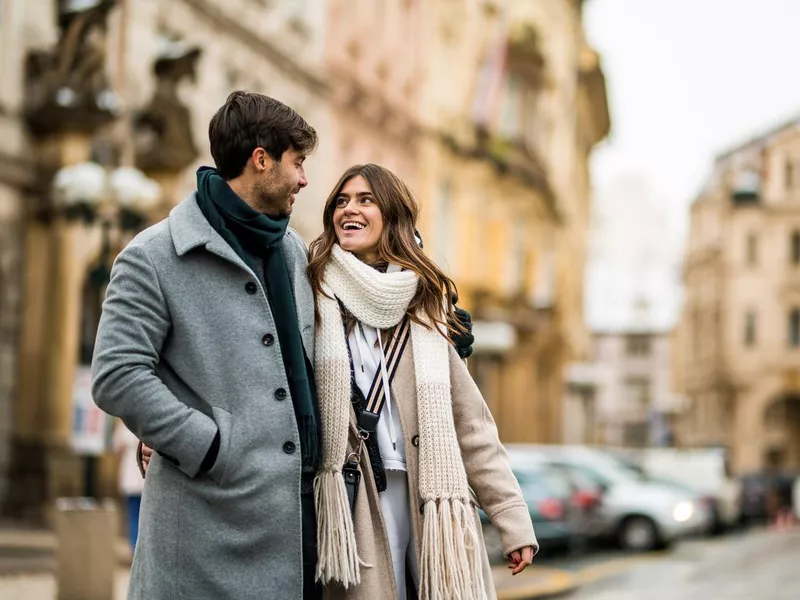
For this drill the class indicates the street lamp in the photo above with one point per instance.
(118, 200)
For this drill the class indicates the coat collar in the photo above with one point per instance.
(190, 229)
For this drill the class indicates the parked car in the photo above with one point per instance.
(708, 517)
(549, 497)
(706, 505)
(641, 515)
(702, 469)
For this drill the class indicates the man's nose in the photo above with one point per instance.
(303, 181)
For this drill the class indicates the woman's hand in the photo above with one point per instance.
(143, 454)
(519, 560)
(147, 452)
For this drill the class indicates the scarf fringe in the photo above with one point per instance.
(336, 539)
(450, 564)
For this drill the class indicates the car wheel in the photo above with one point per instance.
(638, 534)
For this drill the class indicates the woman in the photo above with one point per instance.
(399, 410)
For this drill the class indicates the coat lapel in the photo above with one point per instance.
(296, 262)
(190, 229)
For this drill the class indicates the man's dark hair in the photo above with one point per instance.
(248, 121)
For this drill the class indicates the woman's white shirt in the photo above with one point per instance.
(367, 353)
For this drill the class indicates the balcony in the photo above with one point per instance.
(518, 159)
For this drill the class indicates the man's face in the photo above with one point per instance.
(279, 183)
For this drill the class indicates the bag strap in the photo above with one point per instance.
(376, 400)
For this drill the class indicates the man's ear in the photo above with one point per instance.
(261, 160)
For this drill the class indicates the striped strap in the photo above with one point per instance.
(368, 421)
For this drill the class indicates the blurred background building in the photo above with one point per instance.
(738, 338)
(488, 108)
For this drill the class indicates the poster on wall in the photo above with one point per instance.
(91, 427)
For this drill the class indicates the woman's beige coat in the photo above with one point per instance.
(488, 472)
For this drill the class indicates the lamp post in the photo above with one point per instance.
(118, 201)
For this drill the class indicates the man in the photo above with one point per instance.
(203, 350)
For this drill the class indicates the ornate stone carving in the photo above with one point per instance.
(164, 140)
(67, 86)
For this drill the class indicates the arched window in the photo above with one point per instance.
(750, 328)
(752, 249)
(796, 247)
(794, 328)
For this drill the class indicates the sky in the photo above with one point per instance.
(687, 80)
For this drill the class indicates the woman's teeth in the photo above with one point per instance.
(352, 226)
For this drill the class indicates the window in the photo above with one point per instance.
(752, 249)
(511, 108)
(794, 328)
(445, 229)
(516, 262)
(788, 174)
(544, 294)
(796, 247)
(750, 328)
(637, 345)
(638, 392)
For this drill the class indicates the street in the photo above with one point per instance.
(756, 564)
(746, 565)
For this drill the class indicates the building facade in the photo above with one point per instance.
(623, 396)
(514, 103)
(123, 84)
(738, 340)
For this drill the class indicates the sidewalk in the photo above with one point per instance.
(27, 566)
(534, 582)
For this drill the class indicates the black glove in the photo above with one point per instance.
(463, 341)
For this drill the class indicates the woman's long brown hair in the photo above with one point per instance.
(397, 245)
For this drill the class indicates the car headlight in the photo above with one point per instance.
(683, 512)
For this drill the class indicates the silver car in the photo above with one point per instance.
(641, 515)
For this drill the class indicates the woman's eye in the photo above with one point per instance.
(366, 199)
(341, 202)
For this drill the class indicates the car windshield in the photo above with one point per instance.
(605, 472)
(542, 483)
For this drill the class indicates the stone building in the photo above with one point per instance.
(123, 84)
(514, 103)
(738, 339)
(374, 68)
(623, 396)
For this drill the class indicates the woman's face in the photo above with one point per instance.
(357, 220)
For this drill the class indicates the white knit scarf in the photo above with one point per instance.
(450, 564)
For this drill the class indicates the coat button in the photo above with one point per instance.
(289, 447)
(250, 287)
(268, 339)
(415, 441)
(280, 394)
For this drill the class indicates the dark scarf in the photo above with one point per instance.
(253, 235)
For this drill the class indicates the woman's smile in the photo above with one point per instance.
(358, 220)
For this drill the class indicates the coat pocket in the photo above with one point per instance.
(224, 421)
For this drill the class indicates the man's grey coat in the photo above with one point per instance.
(187, 344)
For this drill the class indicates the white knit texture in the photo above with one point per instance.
(450, 564)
